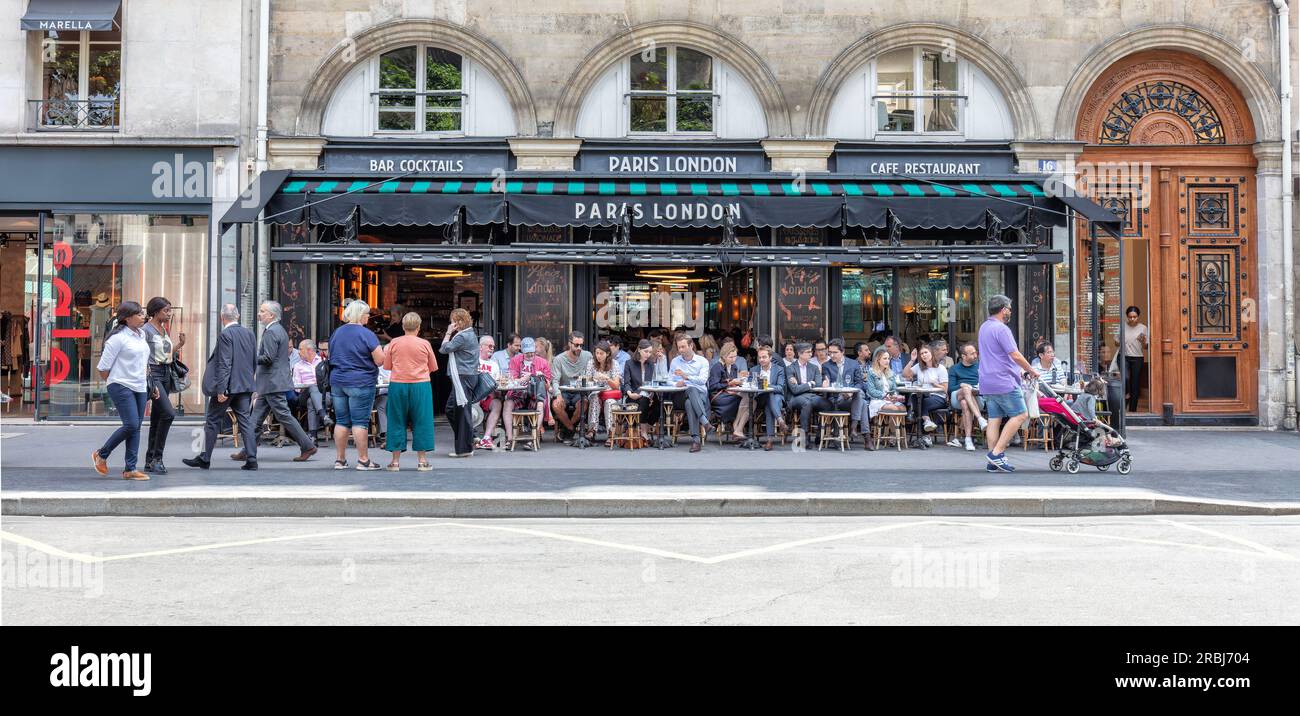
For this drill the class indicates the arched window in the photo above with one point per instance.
(670, 91)
(420, 89)
(919, 93)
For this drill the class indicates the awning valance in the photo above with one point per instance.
(700, 255)
(70, 15)
(743, 202)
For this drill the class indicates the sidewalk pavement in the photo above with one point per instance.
(45, 470)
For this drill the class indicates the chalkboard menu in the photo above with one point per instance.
(1037, 307)
(800, 303)
(544, 301)
(799, 236)
(544, 234)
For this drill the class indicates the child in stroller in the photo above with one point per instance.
(1085, 441)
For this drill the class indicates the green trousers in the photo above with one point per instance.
(410, 404)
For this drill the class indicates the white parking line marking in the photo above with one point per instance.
(1256, 548)
(1265, 549)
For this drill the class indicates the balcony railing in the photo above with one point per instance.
(99, 115)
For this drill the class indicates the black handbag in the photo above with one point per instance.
(483, 388)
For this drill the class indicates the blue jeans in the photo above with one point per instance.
(352, 406)
(130, 408)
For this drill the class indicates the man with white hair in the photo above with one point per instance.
(273, 382)
(303, 363)
(228, 382)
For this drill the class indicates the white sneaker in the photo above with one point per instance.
(930, 426)
(955, 442)
(970, 445)
(983, 422)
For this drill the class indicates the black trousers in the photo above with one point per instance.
(239, 403)
(277, 405)
(648, 417)
(1133, 367)
(161, 415)
(460, 417)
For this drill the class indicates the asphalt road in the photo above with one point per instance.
(1185, 570)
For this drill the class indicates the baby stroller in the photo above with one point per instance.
(1085, 442)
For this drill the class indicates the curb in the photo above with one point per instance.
(552, 507)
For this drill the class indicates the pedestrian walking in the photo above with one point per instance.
(1000, 368)
(124, 364)
(228, 381)
(273, 382)
(166, 371)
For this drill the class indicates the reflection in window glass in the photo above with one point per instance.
(649, 114)
(114, 258)
(867, 301)
(650, 70)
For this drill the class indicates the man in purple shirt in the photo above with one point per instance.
(1001, 366)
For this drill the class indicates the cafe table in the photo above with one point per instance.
(916, 394)
(752, 392)
(580, 440)
(661, 440)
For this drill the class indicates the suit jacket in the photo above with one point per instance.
(810, 374)
(273, 374)
(232, 362)
(718, 377)
(776, 379)
(852, 373)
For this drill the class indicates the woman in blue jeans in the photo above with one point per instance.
(125, 365)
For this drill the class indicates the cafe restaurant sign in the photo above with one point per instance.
(875, 161)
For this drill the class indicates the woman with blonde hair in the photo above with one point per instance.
(544, 350)
(708, 347)
(460, 344)
(411, 360)
(355, 357)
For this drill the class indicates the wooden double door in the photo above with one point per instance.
(1190, 262)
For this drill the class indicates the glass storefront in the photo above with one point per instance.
(90, 263)
(932, 302)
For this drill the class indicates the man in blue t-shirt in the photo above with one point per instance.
(1000, 368)
(964, 381)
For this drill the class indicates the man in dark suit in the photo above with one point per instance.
(273, 382)
(228, 382)
(772, 404)
(800, 378)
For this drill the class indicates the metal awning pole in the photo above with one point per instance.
(1093, 268)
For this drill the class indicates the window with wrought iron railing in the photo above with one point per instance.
(81, 79)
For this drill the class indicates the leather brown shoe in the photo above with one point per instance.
(695, 446)
(306, 455)
(134, 475)
(767, 445)
(101, 465)
(241, 455)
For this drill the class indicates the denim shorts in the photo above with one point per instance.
(1005, 405)
(352, 406)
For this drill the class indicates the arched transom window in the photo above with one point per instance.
(671, 91)
(420, 90)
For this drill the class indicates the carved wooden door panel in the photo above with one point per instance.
(1217, 355)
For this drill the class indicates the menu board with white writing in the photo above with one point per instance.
(544, 301)
(800, 303)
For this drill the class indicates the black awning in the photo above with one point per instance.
(378, 203)
(407, 254)
(70, 15)
(251, 201)
(604, 201)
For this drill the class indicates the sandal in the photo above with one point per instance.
(393, 467)
(423, 466)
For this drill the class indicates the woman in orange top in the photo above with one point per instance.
(410, 394)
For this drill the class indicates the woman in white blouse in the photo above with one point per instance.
(930, 372)
(125, 365)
